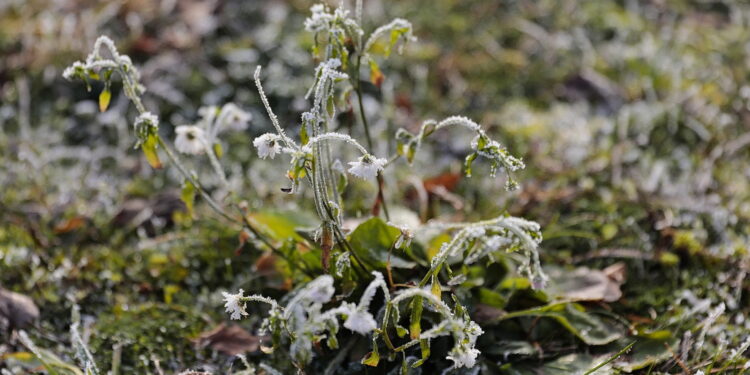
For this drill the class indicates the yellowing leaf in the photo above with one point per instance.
(149, 149)
(376, 76)
(104, 99)
(188, 196)
(372, 359)
(436, 290)
(218, 150)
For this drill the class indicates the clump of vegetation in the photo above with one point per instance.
(354, 236)
(341, 44)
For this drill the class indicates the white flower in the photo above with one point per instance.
(234, 118)
(320, 290)
(145, 125)
(235, 305)
(268, 145)
(404, 239)
(190, 139)
(319, 19)
(361, 322)
(463, 356)
(367, 166)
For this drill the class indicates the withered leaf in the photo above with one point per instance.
(585, 284)
(16, 310)
(229, 339)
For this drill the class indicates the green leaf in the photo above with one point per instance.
(330, 106)
(149, 149)
(218, 150)
(304, 138)
(491, 298)
(411, 152)
(188, 195)
(646, 352)
(104, 99)
(395, 35)
(436, 290)
(424, 345)
(590, 329)
(372, 240)
(342, 182)
(281, 225)
(415, 325)
(575, 364)
(467, 164)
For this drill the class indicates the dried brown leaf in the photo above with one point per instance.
(16, 310)
(229, 339)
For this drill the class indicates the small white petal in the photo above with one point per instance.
(190, 140)
(367, 167)
(268, 145)
(234, 305)
(464, 357)
(235, 118)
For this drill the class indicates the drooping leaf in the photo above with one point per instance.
(424, 346)
(467, 163)
(188, 196)
(218, 150)
(303, 136)
(104, 98)
(371, 359)
(149, 149)
(376, 76)
(436, 290)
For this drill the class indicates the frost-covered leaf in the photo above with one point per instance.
(585, 284)
(587, 327)
(647, 351)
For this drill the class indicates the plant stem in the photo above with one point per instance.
(180, 167)
(358, 88)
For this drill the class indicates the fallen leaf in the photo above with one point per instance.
(486, 313)
(70, 225)
(448, 181)
(229, 339)
(266, 264)
(585, 284)
(16, 310)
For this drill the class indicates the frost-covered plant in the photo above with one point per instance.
(311, 314)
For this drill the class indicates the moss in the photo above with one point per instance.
(147, 331)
